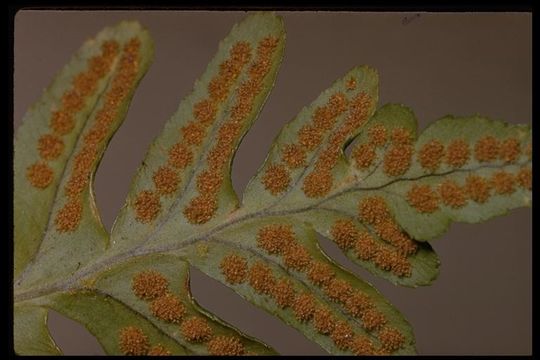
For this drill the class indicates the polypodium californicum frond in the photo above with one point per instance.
(380, 203)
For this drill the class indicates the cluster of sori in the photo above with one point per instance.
(280, 240)
(453, 154)
(183, 153)
(63, 122)
(350, 111)
(152, 287)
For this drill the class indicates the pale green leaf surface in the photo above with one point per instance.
(242, 240)
(105, 317)
(35, 228)
(425, 226)
(30, 332)
(117, 284)
(321, 212)
(170, 223)
(424, 263)
(33, 204)
(256, 197)
(72, 273)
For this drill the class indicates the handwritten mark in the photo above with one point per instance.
(408, 19)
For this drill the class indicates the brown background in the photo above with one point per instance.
(435, 63)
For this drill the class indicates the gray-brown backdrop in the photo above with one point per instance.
(435, 63)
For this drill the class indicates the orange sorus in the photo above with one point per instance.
(318, 183)
(486, 149)
(159, 350)
(457, 153)
(362, 345)
(283, 292)
(390, 232)
(193, 133)
(503, 183)
(147, 206)
(294, 156)
(364, 155)
(132, 341)
(431, 154)
(69, 216)
(477, 188)
(225, 345)
(365, 247)
(320, 273)
(323, 320)
(201, 208)
(357, 302)
(452, 194)
(209, 181)
(40, 175)
(397, 159)
(149, 284)
(392, 339)
(166, 180)
(180, 156)
(234, 268)
(275, 238)
(261, 278)
(524, 178)
(373, 209)
(377, 135)
(204, 111)
(509, 150)
(62, 122)
(423, 198)
(296, 257)
(168, 308)
(303, 306)
(338, 290)
(310, 136)
(391, 260)
(372, 319)
(196, 329)
(276, 179)
(342, 335)
(401, 136)
(50, 146)
(344, 233)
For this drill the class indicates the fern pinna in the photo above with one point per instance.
(380, 204)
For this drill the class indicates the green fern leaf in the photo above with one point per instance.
(342, 168)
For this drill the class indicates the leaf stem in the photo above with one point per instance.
(75, 281)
